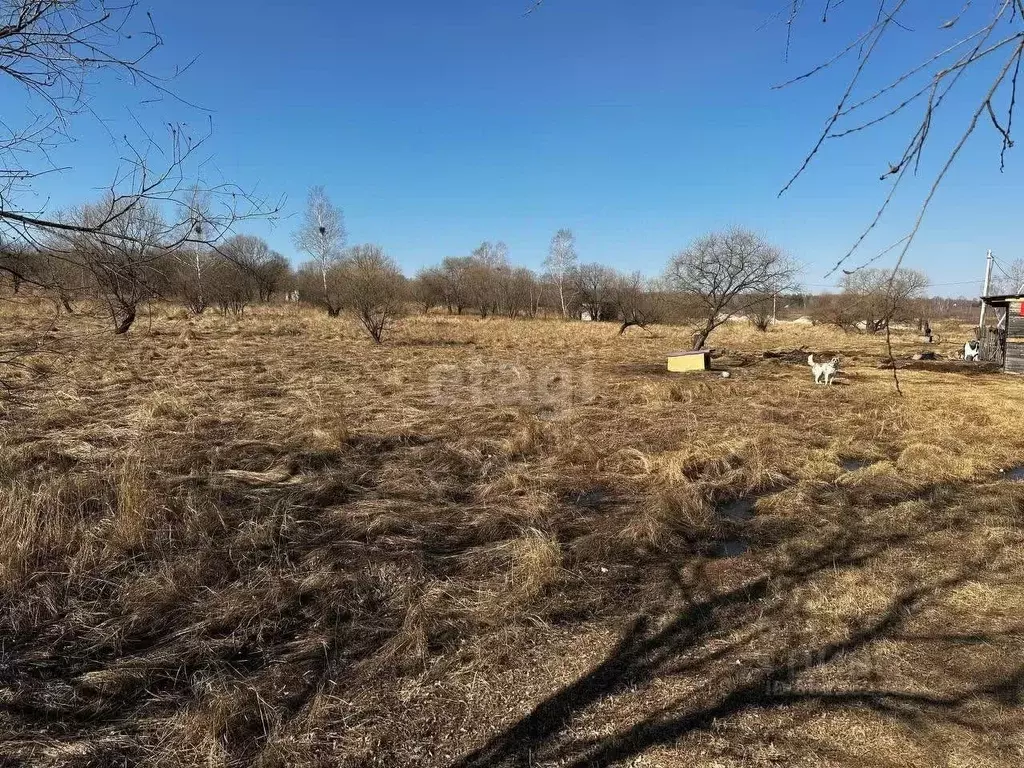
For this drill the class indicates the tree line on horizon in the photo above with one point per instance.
(136, 257)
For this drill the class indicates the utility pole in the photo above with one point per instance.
(988, 285)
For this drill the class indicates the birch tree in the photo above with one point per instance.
(197, 255)
(561, 265)
(322, 236)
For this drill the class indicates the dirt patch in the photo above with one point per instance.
(853, 465)
(795, 356)
(942, 366)
(730, 358)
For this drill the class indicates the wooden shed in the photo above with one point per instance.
(699, 360)
(1004, 341)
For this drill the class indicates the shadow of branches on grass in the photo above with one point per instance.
(744, 649)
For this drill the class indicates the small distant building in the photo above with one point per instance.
(699, 360)
(1004, 342)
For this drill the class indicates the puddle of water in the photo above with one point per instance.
(730, 548)
(1013, 473)
(739, 510)
(593, 498)
(852, 465)
(734, 513)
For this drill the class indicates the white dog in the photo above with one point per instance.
(824, 372)
(972, 351)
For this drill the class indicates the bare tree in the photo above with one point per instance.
(310, 280)
(18, 264)
(322, 236)
(492, 254)
(55, 54)
(196, 255)
(67, 280)
(516, 291)
(272, 273)
(50, 48)
(834, 309)
(485, 281)
(536, 290)
(638, 302)
(456, 272)
(231, 286)
(593, 288)
(879, 297)
(244, 269)
(484, 273)
(122, 253)
(560, 264)
(190, 277)
(761, 312)
(1010, 278)
(726, 272)
(265, 267)
(481, 287)
(375, 289)
(547, 295)
(428, 288)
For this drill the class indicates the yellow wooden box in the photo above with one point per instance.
(689, 361)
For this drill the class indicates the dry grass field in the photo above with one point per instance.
(268, 542)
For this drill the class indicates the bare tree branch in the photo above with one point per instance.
(997, 30)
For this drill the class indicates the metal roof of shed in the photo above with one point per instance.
(1001, 300)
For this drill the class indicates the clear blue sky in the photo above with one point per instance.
(639, 124)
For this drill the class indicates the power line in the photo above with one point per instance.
(930, 285)
(961, 282)
(1014, 284)
(1000, 268)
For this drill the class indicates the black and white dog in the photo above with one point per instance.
(824, 373)
(972, 351)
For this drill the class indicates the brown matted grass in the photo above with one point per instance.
(266, 541)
